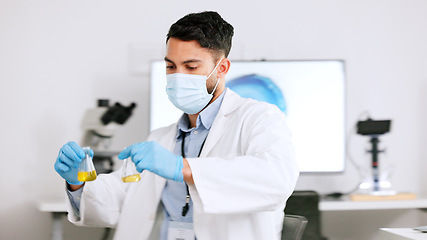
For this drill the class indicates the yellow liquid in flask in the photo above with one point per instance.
(132, 178)
(86, 176)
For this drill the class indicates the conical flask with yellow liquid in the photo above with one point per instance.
(129, 172)
(86, 170)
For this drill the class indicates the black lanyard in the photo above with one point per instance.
(187, 199)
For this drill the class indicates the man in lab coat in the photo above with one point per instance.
(223, 171)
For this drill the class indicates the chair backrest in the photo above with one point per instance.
(306, 203)
(293, 227)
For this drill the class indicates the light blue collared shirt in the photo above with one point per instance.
(174, 194)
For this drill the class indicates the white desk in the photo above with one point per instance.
(58, 209)
(52, 206)
(401, 234)
(348, 205)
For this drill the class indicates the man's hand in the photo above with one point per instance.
(153, 157)
(68, 160)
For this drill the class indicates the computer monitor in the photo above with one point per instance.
(310, 93)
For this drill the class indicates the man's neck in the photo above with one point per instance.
(193, 117)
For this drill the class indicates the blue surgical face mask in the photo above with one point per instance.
(188, 92)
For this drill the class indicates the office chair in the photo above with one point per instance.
(306, 203)
(293, 227)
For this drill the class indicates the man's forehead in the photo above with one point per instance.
(179, 51)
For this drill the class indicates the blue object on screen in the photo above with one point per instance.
(259, 88)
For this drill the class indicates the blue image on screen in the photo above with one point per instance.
(259, 88)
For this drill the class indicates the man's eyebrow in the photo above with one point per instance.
(192, 61)
(168, 60)
(185, 62)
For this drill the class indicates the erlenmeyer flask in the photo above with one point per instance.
(86, 169)
(129, 172)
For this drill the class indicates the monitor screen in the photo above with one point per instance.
(310, 93)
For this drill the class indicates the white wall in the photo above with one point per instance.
(57, 57)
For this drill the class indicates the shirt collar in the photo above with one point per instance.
(205, 118)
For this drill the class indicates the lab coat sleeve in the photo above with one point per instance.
(74, 198)
(101, 202)
(252, 169)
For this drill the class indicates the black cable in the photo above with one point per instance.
(351, 160)
(187, 199)
(186, 207)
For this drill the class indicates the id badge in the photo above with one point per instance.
(180, 231)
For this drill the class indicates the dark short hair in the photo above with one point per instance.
(209, 29)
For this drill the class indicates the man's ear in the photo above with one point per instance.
(223, 68)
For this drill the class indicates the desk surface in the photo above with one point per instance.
(401, 234)
(348, 205)
(52, 206)
(324, 205)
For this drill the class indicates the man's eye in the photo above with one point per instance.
(169, 67)
(191, 68)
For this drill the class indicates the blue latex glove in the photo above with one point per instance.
(153, 157)
(68, 160)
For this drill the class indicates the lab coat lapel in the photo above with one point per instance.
(214, 134)
(230, 102)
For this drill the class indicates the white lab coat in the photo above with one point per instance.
(243, 177)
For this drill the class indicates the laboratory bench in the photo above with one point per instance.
(401, 234)
(58, 209)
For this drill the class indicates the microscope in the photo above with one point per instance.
(374, 129)
(99, 125)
